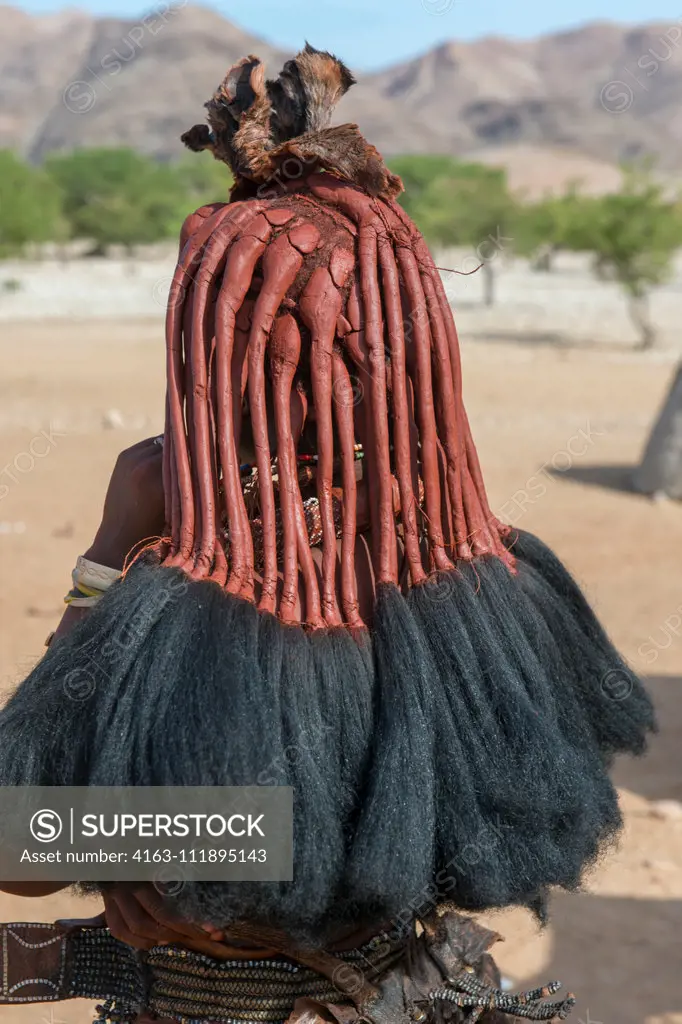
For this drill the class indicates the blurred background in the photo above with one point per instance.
(541, 150)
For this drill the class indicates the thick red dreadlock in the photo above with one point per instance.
(323, 285)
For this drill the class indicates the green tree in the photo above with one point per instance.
(417, 172)
(118, 196)
(30, 205)
(555, 223)
(202, 180)
(470, 205)
(634, 235)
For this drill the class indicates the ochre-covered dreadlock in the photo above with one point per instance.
(451, 735)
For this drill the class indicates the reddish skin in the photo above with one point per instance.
(32, 890)
(134, 511)
(133, 506)
(137, 915)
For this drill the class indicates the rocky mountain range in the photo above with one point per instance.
(597, 94)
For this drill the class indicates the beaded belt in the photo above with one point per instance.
(50, 963)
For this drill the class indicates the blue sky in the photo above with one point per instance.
(374, 33)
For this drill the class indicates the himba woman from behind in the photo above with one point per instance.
(342, 588)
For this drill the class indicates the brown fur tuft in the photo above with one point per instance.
(305, 93)
(239, 116)
(325, 80)
(343, 151)
(251, 141)
(198, 138)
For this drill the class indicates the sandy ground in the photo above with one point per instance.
(559, 429)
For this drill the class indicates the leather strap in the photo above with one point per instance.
(329, 966)
(42, 963)
(33, 959)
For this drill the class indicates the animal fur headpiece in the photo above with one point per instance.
(264, 128)
(446, 737)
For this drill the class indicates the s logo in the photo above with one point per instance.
(46, 826)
